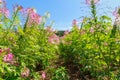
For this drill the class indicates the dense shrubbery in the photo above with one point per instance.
(24, 49)
(92, 49)
(28, 51)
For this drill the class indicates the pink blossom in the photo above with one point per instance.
(8, 58)
(43, 75)
(115, 13)
(1, 50)
(89, 1)
(34, 18)
(0, 1)
(25, 72)
(66, 32)
(5, 12)
(74, 22)
(54, 39)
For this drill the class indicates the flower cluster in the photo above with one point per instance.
(74, 22)
(9, 57)
(33, 17)
(43, 75)
(54, 39)
(116, 13)
(66, 32)
(1, 51)
(3, 10)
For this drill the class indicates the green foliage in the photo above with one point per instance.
(26, 49)
(95, 46)
(60, 74)
(30, 47)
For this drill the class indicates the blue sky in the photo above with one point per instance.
(64, 11)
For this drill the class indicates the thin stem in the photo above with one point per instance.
(15, 14)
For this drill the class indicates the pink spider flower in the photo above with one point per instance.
(43, 75)
(74, 22)
(66, 32)
(4, 11)
(116, 12)
(1, 50)
(54, 39)
(1, 1)
(89, 1)
(34, 18)
(8, 58)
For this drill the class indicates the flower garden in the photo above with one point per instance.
(29, 51)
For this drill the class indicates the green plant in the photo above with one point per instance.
(60, 74)
(93, 47)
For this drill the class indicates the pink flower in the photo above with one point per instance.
(1, 50)
(5, 12)
(66, 32)
(89, 1)
(8, 58)
(25, 72)
(74, 22)
(43, 75)
(33, 17)
(54, 39)
(116, 12)
(0, 1)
